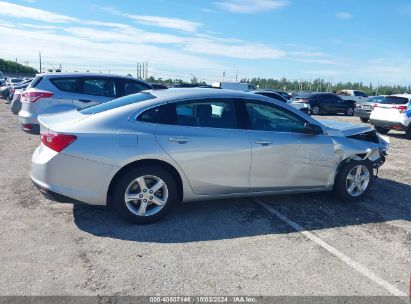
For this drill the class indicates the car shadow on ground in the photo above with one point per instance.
(237, 218)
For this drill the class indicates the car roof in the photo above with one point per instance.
(182, 93)
(83, 74)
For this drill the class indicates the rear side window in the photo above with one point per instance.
(117, 103)
(132, 87)
(64, 84)
(35, 82)
(99, 87)
(394, 100)
(210, 113)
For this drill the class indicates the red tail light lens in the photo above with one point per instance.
(57, 142)
(401, 109)
(33, 96)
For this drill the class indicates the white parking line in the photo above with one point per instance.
(360, 268)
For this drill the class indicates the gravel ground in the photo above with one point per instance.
(225, 247)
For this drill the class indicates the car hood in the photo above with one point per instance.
(345, 128)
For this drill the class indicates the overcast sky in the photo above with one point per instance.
(347, 40)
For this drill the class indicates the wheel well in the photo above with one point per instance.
(147, 162)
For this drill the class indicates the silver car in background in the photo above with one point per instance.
(144, 153)
(59, 92)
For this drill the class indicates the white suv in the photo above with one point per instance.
(393, 113)
(59, 92)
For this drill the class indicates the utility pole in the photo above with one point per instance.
(146, 71)
(40, 61)
(236, 76)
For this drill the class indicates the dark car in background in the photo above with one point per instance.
(363, 109)
(284, 94)
(327, 103)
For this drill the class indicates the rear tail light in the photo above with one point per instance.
(375, 105)
(57, 142)
(33, 96)
(358, 106)
(401, 109)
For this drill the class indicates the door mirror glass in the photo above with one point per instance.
(312, 129)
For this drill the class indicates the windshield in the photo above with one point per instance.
(394, 100)
(117, 103)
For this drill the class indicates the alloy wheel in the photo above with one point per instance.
(315, 110)
(146, 195)
(357, 180)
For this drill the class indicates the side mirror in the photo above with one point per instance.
(312, 129)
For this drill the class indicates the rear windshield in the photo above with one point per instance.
(117, 103)
(376, 99)
(394, 100)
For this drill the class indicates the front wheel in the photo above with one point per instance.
(382, 130)
(364, 119)
(349, 111)
(145, 194)
(315, 110)
(354, 180)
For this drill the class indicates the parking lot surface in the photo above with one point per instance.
(308, 244)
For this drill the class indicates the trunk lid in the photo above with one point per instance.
(58, 121)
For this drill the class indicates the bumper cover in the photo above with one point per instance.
(392, 125)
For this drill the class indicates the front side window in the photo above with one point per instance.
(99, 87)
(264, 117)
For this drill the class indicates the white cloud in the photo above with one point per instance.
(250, 6)
(242, 50)
(165, 22)
(20, 11)
(344, 15)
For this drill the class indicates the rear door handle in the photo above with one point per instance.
(84, 100)
(180, 139)
(262, 142)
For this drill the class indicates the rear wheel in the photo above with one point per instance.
(349, 111)
(354, 180)
(408, 132)
(364, 119)
(145, 194)
(315, 110)
(382, 130)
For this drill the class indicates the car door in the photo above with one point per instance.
(284, 157)
(94, 90)
(338, 104)
(206, 142)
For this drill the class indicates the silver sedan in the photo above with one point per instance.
(144, 153)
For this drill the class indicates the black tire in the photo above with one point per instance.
(408, 132)
(364, 119)
(316, 110)
(340, 184)
(349, 111)
(118, 198)
(381, 130)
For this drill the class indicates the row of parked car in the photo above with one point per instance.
(113, 140)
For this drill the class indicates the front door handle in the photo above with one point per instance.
(262, 142)
(84, 100)
(180, 139)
